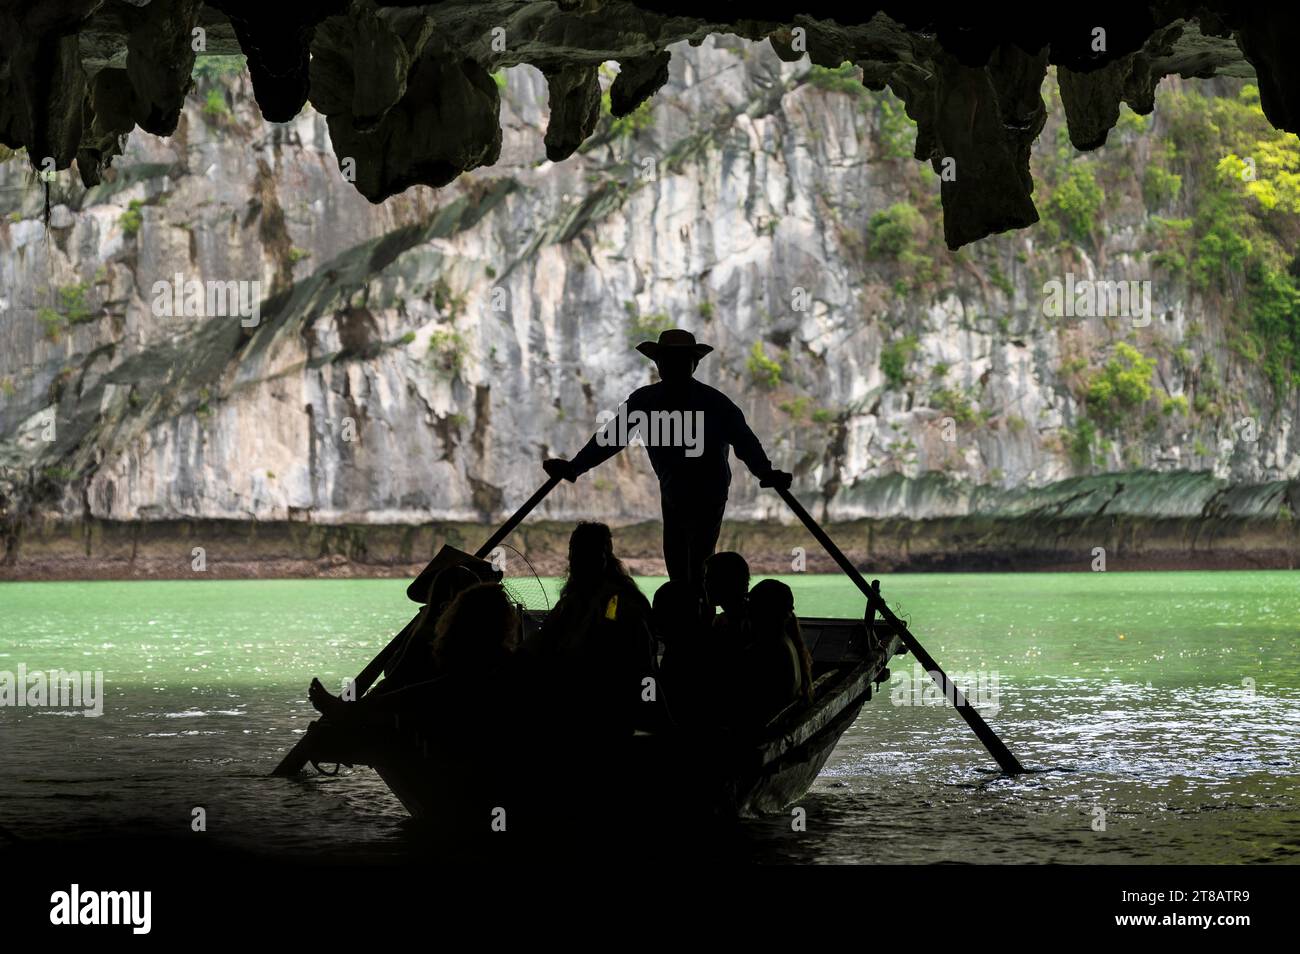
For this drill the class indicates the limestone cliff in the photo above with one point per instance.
(414, 361)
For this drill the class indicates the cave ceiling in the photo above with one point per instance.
(408, 93)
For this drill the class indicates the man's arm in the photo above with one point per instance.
(746, 444)
(750, 451)
(604, 444)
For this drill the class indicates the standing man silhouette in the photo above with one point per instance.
(688, 428)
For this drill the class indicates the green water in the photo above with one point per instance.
(1166, 705)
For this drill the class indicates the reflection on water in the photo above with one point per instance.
(1163, 711)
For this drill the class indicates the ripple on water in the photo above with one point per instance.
(1177, 743)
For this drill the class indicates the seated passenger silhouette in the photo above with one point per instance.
(479, 632)
(689, 430)
(678, 622)
(414, 660)
(597, 639)
(475, 639)
(726, 586)
(703, 671)
(484, 689)
(774, 668)
(677, 614)
(597, 587)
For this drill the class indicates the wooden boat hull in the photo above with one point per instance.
(664, 775)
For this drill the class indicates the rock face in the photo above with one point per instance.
(415, 361)
(407, 92)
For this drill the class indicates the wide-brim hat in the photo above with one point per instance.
(418, 591)
(673, 340)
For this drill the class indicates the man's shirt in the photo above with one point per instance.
(687, 428)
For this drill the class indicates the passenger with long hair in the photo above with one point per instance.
(479, 632)
(597, 589)
(596, 642)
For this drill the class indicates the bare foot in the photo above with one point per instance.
(325, 702)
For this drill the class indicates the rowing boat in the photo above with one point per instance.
(478, 765)
(670, 771)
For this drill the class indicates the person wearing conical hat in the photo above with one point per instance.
(688, 429)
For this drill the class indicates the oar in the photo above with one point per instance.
(517, 518)
(297, 757)
(996, 748)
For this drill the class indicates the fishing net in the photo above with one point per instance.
(521, 581)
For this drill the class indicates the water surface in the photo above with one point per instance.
(1163, 709)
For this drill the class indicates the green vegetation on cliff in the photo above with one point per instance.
(859, 377)
(1239, 183)
(1121, 387)
(1209, 192)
